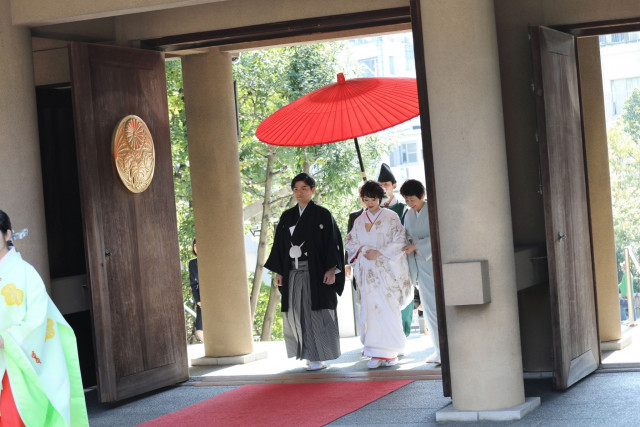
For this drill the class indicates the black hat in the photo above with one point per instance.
(385, 174)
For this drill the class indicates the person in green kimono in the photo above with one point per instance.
(622, 290)
(41, 383)
(388, 181)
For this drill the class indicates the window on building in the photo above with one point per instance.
(619, 38)
(403, 154)
(369, 67)
(392, 65)
(621, 90)
(363, 41)
(408, 55)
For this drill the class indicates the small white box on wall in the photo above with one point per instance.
(466, 282)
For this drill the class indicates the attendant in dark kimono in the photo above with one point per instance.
(307, 257)
(388, 181)
(348, 268)
(352, 219)
(195, 290)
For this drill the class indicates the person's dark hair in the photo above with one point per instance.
(372, 189)
(412, 187)
(193, 247)
(304, 177)
(5, 225)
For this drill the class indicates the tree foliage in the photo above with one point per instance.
(624, 161)
(270, 79)
(181, 180)
(630, 116)
(267, 80)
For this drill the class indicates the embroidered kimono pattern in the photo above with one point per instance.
(407, 312)
(40, 352)
(384, 283)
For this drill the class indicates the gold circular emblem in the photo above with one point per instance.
(134, 153)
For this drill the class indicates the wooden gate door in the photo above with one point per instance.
(573, 309)
(131, 240)
(427, 148)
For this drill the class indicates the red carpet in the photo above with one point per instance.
(307, 404)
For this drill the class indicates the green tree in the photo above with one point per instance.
(624, 165)
(268, 80)
(630, 117)
(181, 180)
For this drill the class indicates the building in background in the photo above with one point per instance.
(391, 55)
(620, 56)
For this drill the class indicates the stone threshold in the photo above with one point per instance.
(625, 341)
(230, 360)
(319, 376)
(449, 413)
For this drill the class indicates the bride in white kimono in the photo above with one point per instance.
(374, 247)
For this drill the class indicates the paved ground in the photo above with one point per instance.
(418, 348)
(609, 399)
(629, 354)
(599, 400)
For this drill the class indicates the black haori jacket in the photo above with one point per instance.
(323, 249)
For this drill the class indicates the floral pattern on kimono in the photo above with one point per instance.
(384, 284)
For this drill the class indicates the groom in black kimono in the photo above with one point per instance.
(307, 257)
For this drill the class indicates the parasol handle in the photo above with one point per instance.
(364, 175)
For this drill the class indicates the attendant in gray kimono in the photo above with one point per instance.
(416, 223)
(308, 258)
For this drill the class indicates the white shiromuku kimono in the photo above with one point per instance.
(384, 284)
(40, 354)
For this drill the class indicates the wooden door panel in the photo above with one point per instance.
(423, 98)
(572, 293)
(131, 239)
(135, 255)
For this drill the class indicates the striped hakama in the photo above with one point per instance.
(308, 334)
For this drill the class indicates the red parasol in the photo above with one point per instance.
(343, 110)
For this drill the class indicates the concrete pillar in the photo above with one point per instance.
(597, 155)
(467, 128)
(21, 194)
(217, 203)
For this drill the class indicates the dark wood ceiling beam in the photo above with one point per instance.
(600, 27)
(282, 29)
